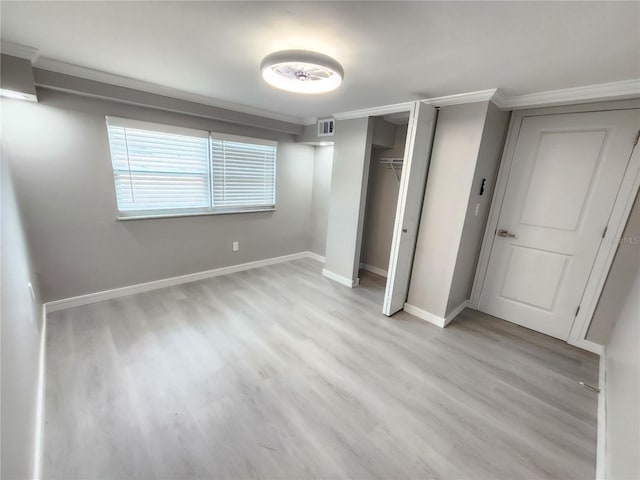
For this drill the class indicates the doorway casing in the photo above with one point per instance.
(617, 220)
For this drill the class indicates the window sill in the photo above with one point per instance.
(190, 214)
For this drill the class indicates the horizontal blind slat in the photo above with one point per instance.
(243, 174)
(159, 171)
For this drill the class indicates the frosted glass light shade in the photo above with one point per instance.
(302, 71)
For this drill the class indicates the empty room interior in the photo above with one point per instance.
(309, 240)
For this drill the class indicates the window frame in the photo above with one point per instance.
(119, 122)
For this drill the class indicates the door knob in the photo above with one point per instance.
(404, 230)
(505, 233)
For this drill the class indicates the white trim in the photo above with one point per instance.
(460, 98)
(601, 449)
(348, 282)
(42, 365)
(455, 312)
(587, 345)
(374, 111)
(315, 256)
(424, 315)
(589, 93)
(126, 82)
(565, 96)
(500, 99)
(435, 319)
(604, 258)
(64, 303)
(18, 50)
(372, 269)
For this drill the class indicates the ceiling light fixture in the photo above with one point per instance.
(302, 71)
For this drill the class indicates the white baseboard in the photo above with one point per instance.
(587, 345)
(372, 269)
(167, 282)
(601, 449)
(435, 319)
(316, 257)
(456, 311)
(424, 315)
(340, 279)
(42, 365)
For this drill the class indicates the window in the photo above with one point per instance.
(161, 170)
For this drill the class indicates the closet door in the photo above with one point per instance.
(422, 123)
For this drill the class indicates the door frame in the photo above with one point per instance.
(398, 224)
(617, 221)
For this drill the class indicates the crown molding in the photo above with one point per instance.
(461, 98)
(590, 93)
(18, 50)
(499, 99)
(70, 69)
(374, 111)
(568, 96)
(447, 100)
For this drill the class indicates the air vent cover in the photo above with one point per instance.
(326, 127)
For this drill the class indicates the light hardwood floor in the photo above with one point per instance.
(279, 372)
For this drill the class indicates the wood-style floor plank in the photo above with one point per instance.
(281, 373)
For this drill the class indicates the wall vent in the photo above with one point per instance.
(326, 127)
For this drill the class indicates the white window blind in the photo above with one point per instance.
(164, 170)
(243, 173)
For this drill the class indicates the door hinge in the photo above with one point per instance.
(577, 310)
(637, 138)
(604, 232)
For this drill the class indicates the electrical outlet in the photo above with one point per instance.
(236, 246)
(477, 208)
(33, 294)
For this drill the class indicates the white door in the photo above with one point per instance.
(562, 184)
(422, 123)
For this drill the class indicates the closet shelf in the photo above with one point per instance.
(394, 163)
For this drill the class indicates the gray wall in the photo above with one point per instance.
(63, 177)
(456, 146)
(489, 155)
(622, 367)
(349, 178)
(17, 75)
(382, 203)
(91, 88)
(384, 133)
(322, 166)
(624, 268)
(20, 328)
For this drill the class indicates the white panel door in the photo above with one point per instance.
(562, 184)
(422, 123)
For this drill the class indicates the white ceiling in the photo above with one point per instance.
(391, 51)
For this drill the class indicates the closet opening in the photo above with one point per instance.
(386, 163)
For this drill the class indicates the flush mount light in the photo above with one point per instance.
(302, 71)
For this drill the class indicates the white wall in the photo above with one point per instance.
(64, 182)
(322, 166)
(382, 202)
(20, 328)
(349, 178)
